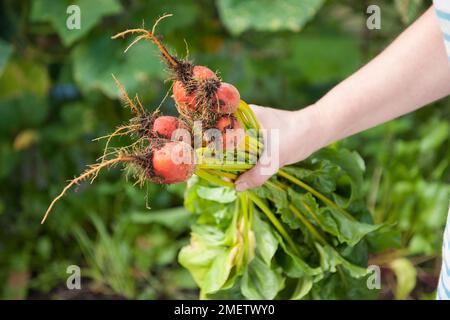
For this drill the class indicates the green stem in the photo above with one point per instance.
(249, 114)
(240, 116)
(246, 228)
(316, 193)
(213, 179)
(263, 207)
(223, 174)
(307, 224)
(226, 167)
(274, 185)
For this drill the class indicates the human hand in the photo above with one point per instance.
(290, 136)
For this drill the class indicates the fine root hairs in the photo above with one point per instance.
(126, 100)
(118, 132)
(150, 35)
(91, 170)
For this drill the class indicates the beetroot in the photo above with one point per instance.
(201, 73)
(172, 162)
(228, 99)
(231, 130)
(165, 126)
(185, 102)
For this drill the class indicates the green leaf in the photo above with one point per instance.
(55, 13)
(346, 230)
(303, 287)
(331, 220)
(351, 163)
(208, 259)
(330, 259)
(266, 240)
(293, 265)
(211, 212)
(5, 52)
(276, 196)
(406, 274)
(323, 176)
(260, 281)
(264, 15)
(218, 194)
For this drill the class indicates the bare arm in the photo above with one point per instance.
(412, 72)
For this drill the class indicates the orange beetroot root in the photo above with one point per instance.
(231, 130)
(185, 102)
(172, 162)
(228, 99)
(201, 73)
(165, 126)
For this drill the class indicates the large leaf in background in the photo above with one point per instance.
(22, 77)
(55, 13)
(408, 9)
(323, 58)
(264, 15)
(99, 57)
(5, 52)
(23, 90)
(185, 13)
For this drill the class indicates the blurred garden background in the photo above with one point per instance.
(57, 95)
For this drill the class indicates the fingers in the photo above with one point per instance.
(251, 179)
(265, 167)
(257, 175)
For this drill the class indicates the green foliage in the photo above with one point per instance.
(56, 95)
(91, 14)
(239, 16)
(254, 253)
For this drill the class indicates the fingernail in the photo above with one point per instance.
(241, 186)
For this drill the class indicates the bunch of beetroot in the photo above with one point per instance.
(168, 149)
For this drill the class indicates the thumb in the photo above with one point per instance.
(256, 176)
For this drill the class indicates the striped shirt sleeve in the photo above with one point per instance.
(442, 8)
(443, 291)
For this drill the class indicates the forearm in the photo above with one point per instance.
(412, 72)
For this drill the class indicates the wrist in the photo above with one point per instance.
(315, 133)
(300, 136)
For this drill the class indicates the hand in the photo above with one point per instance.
(291, 137)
